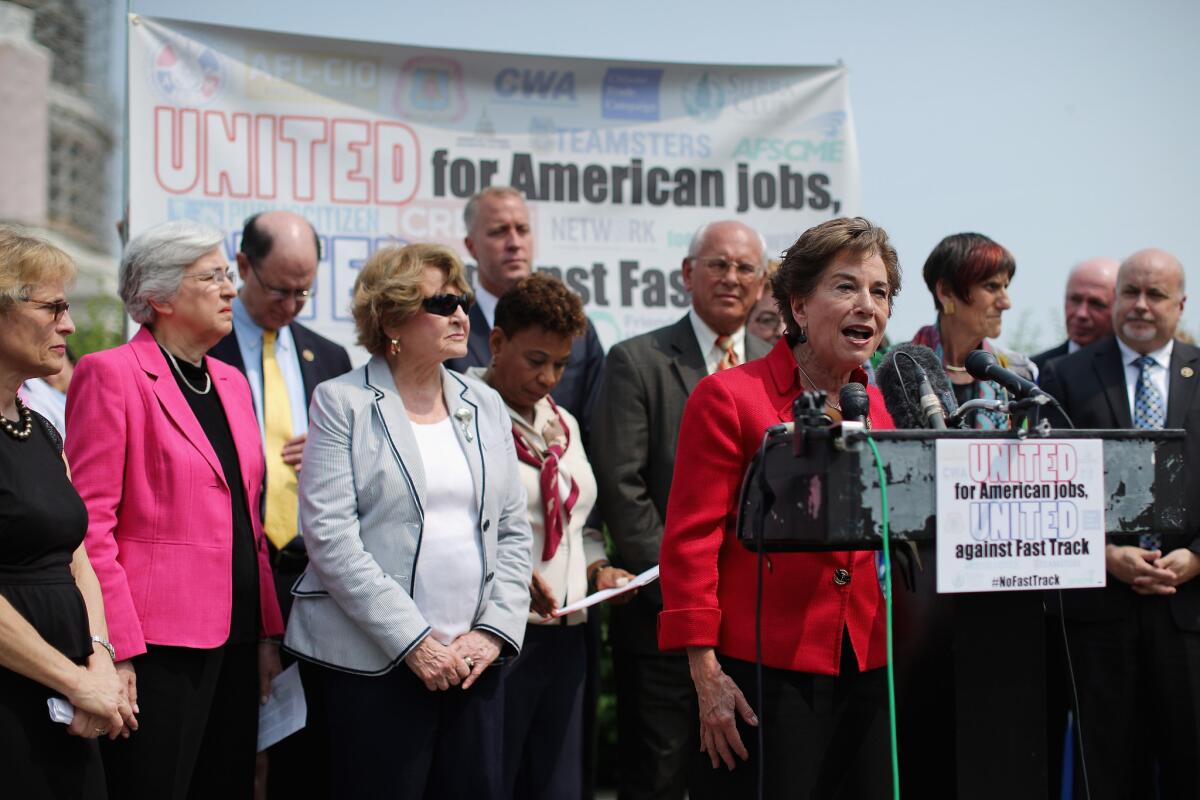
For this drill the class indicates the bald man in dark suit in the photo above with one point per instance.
(1135, 644)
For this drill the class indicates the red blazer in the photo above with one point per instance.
(160, 523)
(709, 578)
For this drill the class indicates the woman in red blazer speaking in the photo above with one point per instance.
(823, 636)
(167, 455)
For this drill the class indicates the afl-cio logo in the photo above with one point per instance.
(186, 73)
(704, 97)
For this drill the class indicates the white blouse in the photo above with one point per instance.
(449, 573)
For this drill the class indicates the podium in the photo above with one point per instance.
(971, 669)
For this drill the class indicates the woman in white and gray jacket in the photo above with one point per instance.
(414, 518)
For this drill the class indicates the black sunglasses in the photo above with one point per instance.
(444, 304)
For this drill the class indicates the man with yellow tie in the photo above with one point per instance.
(647, 380)
(283, 362)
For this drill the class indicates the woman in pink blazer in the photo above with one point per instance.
(167, 455)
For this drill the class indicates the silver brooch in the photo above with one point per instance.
(465, 417)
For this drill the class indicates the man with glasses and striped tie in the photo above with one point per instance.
(647, 381)
(1135, 644)
(283, 361)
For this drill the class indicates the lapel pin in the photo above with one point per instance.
(308, 354)
(464, 417)
(1187, 372)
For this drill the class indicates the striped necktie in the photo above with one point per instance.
(1149, 413)
(729, 357)
(281, 518)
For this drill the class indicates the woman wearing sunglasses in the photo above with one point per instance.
(419, 546)
(167, 456)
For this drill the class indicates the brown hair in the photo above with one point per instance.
(806, 260)
(963, 260)
(388, 289)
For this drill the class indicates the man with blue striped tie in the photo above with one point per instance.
(1135, 644)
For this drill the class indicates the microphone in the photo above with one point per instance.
(854, 402)
(915, 388)
(983, 367)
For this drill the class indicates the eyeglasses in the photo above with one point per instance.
(444, 304)
(279, 293)
(719, 267)
(55, 307)
(213, 276)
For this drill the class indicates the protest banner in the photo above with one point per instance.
(379, 145)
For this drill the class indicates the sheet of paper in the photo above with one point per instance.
(286, 710)
(649, 576)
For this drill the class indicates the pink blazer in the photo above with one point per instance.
(160, 523)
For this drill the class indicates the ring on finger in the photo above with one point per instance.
(101, 731)
(470, 662)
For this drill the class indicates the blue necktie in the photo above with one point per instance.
(1149, 413)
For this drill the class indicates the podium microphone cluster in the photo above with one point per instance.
(983, 366)
(915, 388)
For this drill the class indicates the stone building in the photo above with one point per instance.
(59, 139)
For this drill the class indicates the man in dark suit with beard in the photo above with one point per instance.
(1135, 644)
(647, 380)
(283, 362)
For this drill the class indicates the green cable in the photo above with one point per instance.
(887, 603)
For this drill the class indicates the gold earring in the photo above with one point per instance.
(948, 308)
(394, 347)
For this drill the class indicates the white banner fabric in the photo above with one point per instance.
(620, 162)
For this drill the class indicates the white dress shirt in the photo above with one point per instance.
(487, 305)
(706, 337)
(47, 401)
(1160, 372)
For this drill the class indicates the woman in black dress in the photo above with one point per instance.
(53, 638)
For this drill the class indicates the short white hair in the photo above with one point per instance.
(154, 263)
(702, 233)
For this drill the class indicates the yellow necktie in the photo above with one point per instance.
(280, 522)
(730, 357)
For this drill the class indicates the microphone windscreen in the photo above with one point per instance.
(899, 382)
(854, 402)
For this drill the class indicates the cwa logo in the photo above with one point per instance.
(186, 73)
(703, 97)
(535, 86)
(430, 89)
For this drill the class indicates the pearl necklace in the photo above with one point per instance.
(207, 377)
(22, 433)
(829, 401)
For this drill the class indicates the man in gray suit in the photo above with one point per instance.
(647, 380)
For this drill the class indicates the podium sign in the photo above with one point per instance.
(1019, 515)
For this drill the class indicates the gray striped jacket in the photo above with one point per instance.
(362, 494)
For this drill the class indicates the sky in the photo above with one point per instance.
(1062, 130)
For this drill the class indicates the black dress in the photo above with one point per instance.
(42, 522)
